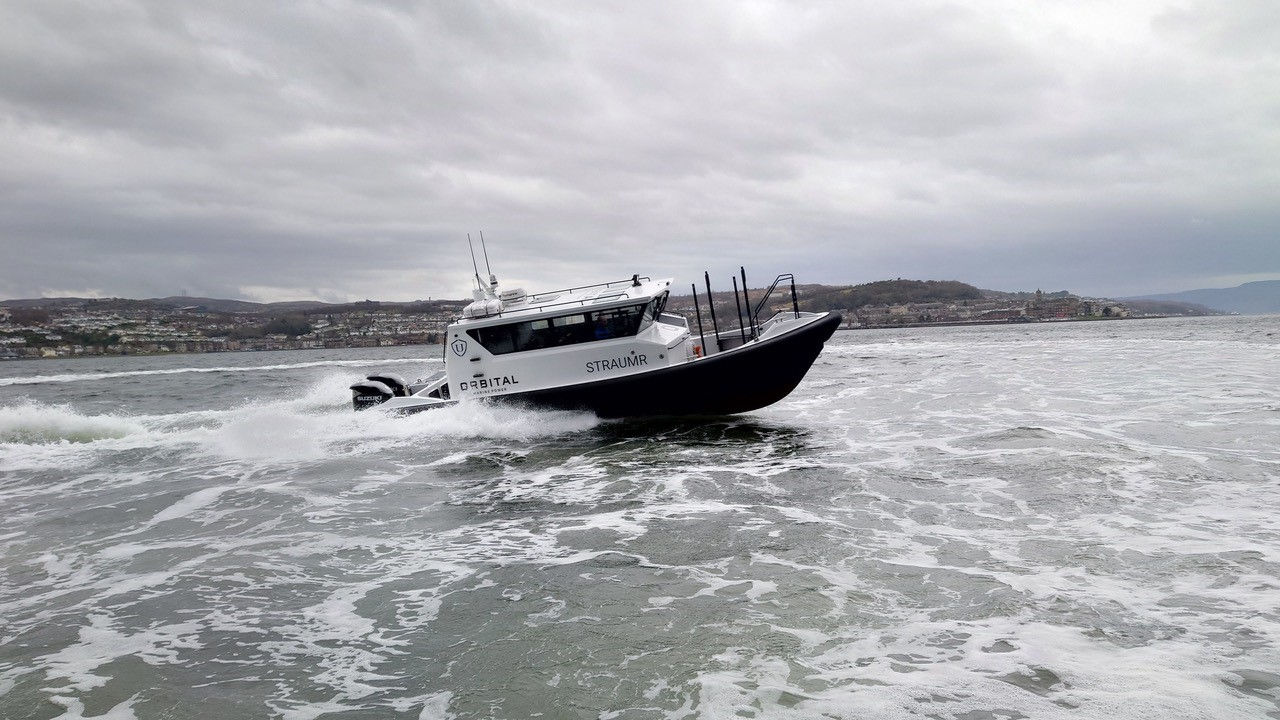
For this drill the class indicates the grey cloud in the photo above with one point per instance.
(343, 150)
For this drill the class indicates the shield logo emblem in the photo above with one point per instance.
(459, 347)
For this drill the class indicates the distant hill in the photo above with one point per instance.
(887, 292)
(209, 304)
(216, 305)
(1255, 297)
(1249, 299)
(1169, 307)
(201, 304)
(47, 303)
(1023, 295)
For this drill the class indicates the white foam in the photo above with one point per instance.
(189, 504)
(299, 710)
(288, 432)
(964, 669)
(481, 419)
(101, 642)
(1051, 549)
(32, 423)
(7, 680)
(74, 709)
(312, 424)
(434, 706)
(347, 645)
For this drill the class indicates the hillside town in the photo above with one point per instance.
(966, 306)
(70, 327)
(105, 327)
(988, 309)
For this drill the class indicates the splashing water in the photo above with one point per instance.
(33, 424)
(1054, 521)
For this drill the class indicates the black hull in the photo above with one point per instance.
(741, 380)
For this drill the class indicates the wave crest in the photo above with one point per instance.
(33, 423)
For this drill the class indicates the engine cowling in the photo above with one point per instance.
(399, 388)
(368, 393)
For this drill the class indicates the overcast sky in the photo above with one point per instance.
(343, 150)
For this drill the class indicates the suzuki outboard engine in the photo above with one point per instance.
(377, 389)
(367, 393)
(399, 388)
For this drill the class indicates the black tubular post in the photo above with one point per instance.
(795, 304)
(711, 302)
(698, 313)
(747, 301)
(741, 328)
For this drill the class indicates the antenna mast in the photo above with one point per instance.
(493, 280)
(486, 253)
(473, 261)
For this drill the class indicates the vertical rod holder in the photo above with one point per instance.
(742, 328)
(746, 299)
(711, 302)
(698, 313)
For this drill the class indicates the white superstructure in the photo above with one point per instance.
(610, 348)
(563, 337)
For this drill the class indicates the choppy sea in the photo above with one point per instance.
(1076, 520)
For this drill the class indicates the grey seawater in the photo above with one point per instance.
(1070, 520)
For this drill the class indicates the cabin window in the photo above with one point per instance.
(565, 329)
(653, 310)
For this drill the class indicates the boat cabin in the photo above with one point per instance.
(520, 343)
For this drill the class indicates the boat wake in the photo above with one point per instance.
(28, 422)
(306, 427)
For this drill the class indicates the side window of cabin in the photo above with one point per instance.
(617, 322)
(498, 339)
(569, 330)
(563, 330)
(533, 335)
(653, 310)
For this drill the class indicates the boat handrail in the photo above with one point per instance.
(580, 302)
(630, 281)
(795, 304)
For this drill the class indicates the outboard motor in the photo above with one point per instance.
(367, 393)
(399, 388)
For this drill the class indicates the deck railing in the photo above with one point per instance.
(634, 279)
(795, 303)
(581, 301)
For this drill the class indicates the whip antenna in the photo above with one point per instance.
(486, 255)
(493, 280)
(473, 261)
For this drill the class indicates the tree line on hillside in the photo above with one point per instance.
(887, 292)
(1023, 295)
(1169, 307)
(292, 325)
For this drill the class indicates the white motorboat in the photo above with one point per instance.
(611, 348)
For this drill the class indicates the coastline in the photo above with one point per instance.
(967, 323)
(951, 323)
